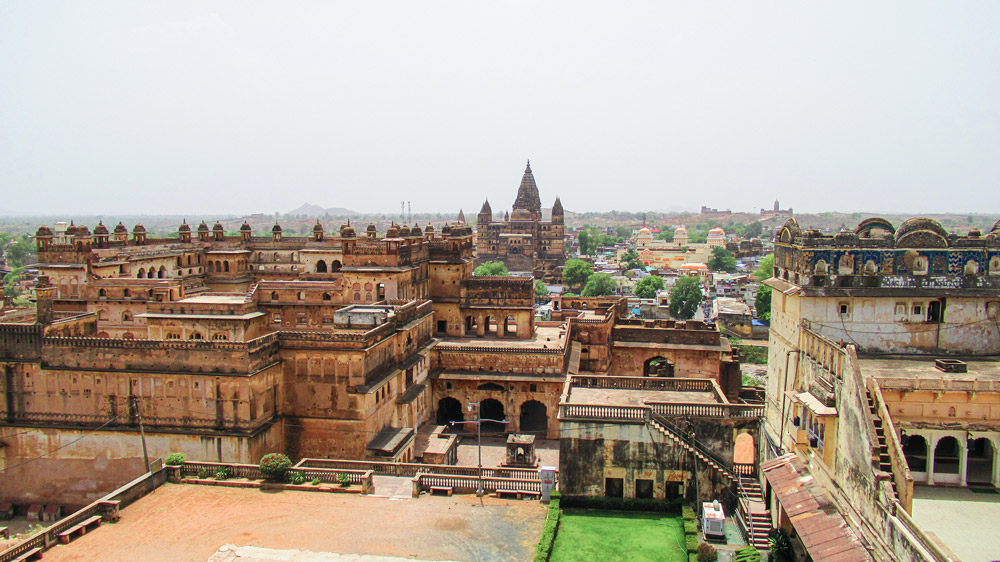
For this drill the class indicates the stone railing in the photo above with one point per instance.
(107, 508)
(469, 484)
(412, 469)
(900, 469)
(638, 414)
(602, 412)
(642, 383)
(329, 475)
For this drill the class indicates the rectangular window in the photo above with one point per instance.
(614, 487)
(918, 310)
(644, 488)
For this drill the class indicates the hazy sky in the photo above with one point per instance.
(237, 107)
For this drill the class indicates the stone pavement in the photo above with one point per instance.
(965, 521)
(233, 553)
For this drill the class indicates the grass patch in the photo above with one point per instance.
(586, 535)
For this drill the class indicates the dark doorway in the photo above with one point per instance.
(442, 326)
(979, 464)
(534, 419)
(643, 488)
(450, 410)
(915, 451)
(493, 410)
(321, 266)
(658, 367)
(614, 487)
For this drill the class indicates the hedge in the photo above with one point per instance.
(691, 542)
(624, 504)
(548, 538)
(688, 513)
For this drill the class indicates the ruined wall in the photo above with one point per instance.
(91, 464)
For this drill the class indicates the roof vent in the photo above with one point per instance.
(951, 366)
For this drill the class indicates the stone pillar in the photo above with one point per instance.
(931, 445)
(480, 326)
(995, 476)
(963, 461)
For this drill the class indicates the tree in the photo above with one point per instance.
(491, 268)
(21, 252)
(685, 297)
(647, 287)
(722, 260)
(599, 285)
(753, 230)
(766, 269)
(540, 289)
(576, 272)
(666, 233)
(587, 243)
(630, 260)
(763, 303)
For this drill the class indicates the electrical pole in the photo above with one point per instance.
(142, 433)
(480, 491)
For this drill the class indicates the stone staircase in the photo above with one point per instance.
(754, 514)
(884, 461)
(670, 434)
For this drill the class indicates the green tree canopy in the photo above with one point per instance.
(685, 298)
(491, 268)
(630, 260)
(587, 243)
(766, 269)
(540, 289)
(599, 285)
(722, 260)
(763, 303)
(21, 252)
(576, 272)
(647, 286)
(666, 233)
(753, 230)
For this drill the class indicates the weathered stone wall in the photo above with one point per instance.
(513, 395)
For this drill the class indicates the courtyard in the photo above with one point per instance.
(964, 519)
(185, 522)
(589, 534)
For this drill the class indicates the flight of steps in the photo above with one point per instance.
(669, 434)
(756, 515)
(884, 461)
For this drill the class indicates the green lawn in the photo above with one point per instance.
(589, 534)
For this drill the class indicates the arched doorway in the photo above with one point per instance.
(490, 386)
(915, 451)
(450, 410)
(321, 266)
(946, 460)
(509, 326)
(493, 410)
(979, 465)
(743, 454)
(534, 419)
(658, 367)
(335, 265)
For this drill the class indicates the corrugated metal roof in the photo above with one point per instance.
(820, 526)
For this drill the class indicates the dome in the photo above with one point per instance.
(874, 225)
(138, 228)
(446, 229)
(415, 232)
(120, 229)
(429, 228)
(921, 232)
(43, 231)
(71, 229)
(717, 231)
(392, 232)
(521, 215)
(347, 231)
(101, 229)
(404, 231)
(217, 226)
(83, 231)
(371, 228)
(680, 230)
(694, 266)
(318, 227)
(245, 227)
(184, 227)
(202, 227)
(644, 230)
(276, 228)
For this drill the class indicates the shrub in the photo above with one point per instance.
(544, 548)
(781, 545)
(203, 472)
(691, 541)
(274, 466)
(688, 514)
(175, 459)
(707, 553)
(690, 527)
(624, 504)
(344, 479)
(222, 473)
(297, 478)
(746, 554)
(315, 481)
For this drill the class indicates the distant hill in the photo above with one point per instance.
(311, 210)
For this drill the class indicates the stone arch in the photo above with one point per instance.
(326, 296)
(195, 336)
(845, 265)
(871, 268)
(102, 315)
(450, 410)
(335, 265)
(947, 452)
(492, 409)
(126, 316)
(161, 273)
(657, 367)
(915, 452)
(534, 419)
(102, 293)
(744, 454)
(321, 266)
(509, 325)
(821, 268)
(211, 266)
(979, 465)
(971, 267)
(141, 274)
(102, 335)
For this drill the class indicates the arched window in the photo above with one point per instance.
(151, 274)
(326, 296)
(102, 293)
(141, 274)
(161, 272)
(195, 336)
(211, 267)
(274, 295)
(126, 316)
(225, 265)
(126, 293)
(335, 265)
(102, 315)
(321, 266)
(220, 337)
(302, 295)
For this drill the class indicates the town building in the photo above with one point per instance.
(882, 374)
(523, 241)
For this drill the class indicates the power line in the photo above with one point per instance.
(43, 455)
